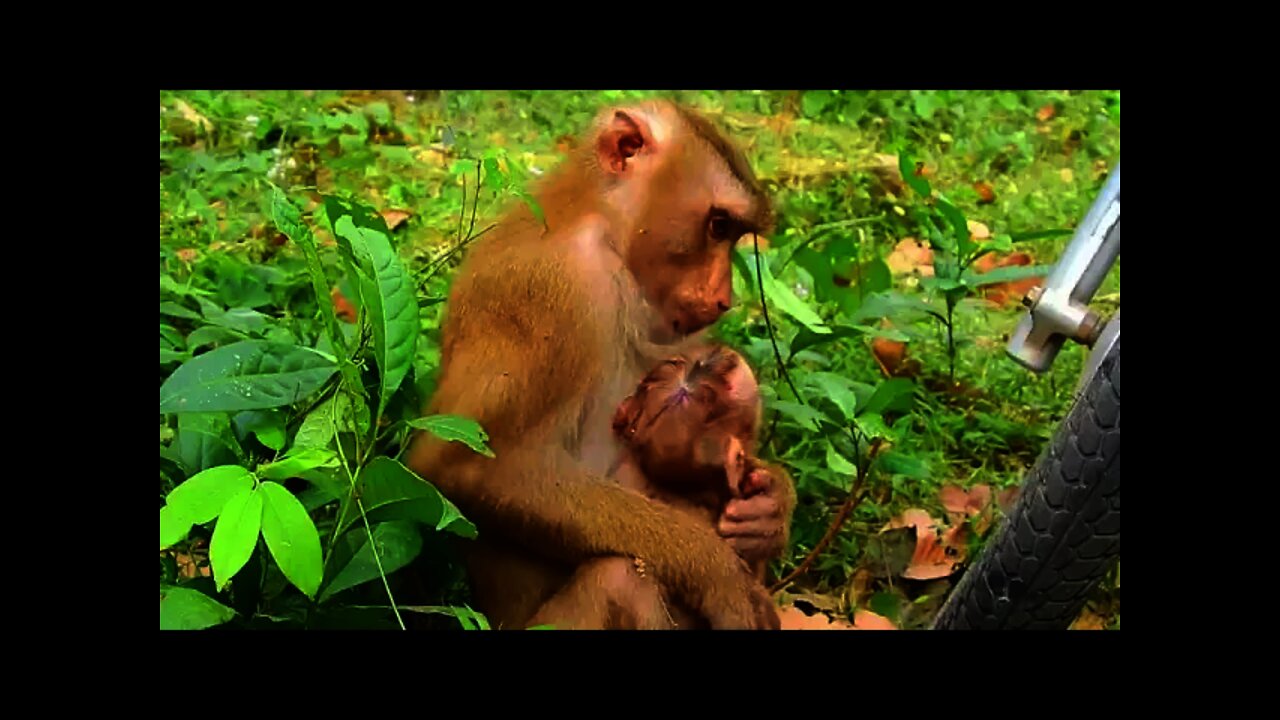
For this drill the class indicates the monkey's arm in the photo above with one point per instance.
(758, 524)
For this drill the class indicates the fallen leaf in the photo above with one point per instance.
(1002, 294)
(858, 586)
(191, 115)
(978, 231)
(1046, 113)
(887, 174)
(1006, 498)
(867, 620)
(393, 218)
(986, 193)
(1088, 621)
(187, 255)
(910, 256)
(890, 354)
(794, 618)
(934, 557)
(342, 307)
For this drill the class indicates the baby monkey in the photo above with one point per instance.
(689, 434)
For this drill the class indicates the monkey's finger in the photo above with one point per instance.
(756, 506)
(763, 527)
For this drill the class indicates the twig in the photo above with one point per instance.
(855, 496)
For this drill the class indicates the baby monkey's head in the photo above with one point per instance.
(691, 416)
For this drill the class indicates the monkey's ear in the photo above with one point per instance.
(622, 138)
(625, 417)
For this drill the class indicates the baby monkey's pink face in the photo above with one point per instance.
(686, 413)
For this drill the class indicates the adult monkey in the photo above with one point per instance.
(547, 331)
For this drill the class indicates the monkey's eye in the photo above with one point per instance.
(720, 227)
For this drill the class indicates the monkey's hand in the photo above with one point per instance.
(756, 523)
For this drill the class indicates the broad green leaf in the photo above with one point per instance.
(893, 394)
(392, 300)
(297, 462)
(248, 375)
(171, 356)
(494, 178)
(803, 415)
(288, 219)
(1007, 274)
(173, 309)
(235, 535)
(813, 102)
(171, 336)
(390, 490)
(891, 304)
(907, 166)
(205, 440)
(454, 428)
(838, 389)
(211, 334)
(168, 284)
(886, 605)
(872, 425)
(187, 609)
(959, 226)
(397, 544)
(876, 277)
(893, 462)
(202, 497)
(316, 430)
(291, 537)
(818, 265)
(266, 425)
(782, 298)
(805, 338)
(838, 463)
(380, 111)
(173, 528)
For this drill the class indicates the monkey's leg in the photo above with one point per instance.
(606, 594)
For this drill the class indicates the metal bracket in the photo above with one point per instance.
(1060, 308)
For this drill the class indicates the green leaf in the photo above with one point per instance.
(235, 535)
(534, 206)
(876, 277)
(892, 304)
(242, 319)
(872, 425)
(297, 462)
(886, 605)
(291, 537)
(187, 609)
(204, 495)
(173, 309)
(836, 388)
(813, 102)
(205, 440)
(1038, 234)
(803, 415)
(454, 428)
(838, 463)
(389, 294)
(493, 176)
(390, 490)
(1007, 274)
(316, 430)
(170, 356)
(212, 334)
(266, 425)
(173, 528)
(893, 394)
(288, 219)
(248, 375)
(806, 338)
(781, 297)
(907, 166)
(893, 462)
(818, 265)
(381, 113)
(959, 226)
(397, 544)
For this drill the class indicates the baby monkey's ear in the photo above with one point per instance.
(626, 417)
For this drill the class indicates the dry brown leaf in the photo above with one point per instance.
(986, 193)
(979, 231)
(867, 620)
(965, 503)
(886, 171)
(1007, 497)
(794, 619)
(889, 354)
(931, 558)
(342, 307)
(393, 218)
(1088, 621)
(859, 587)
(187, 255)
(910, 256)
(191, 115)
(1046, 113)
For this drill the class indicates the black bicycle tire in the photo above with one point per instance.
(1062, 535)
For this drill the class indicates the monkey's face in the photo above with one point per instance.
(692, 196)
(686, 413)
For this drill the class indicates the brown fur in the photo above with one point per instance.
(544, 334)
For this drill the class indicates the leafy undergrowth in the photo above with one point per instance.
(307, 241)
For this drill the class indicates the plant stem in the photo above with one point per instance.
(951, 341)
